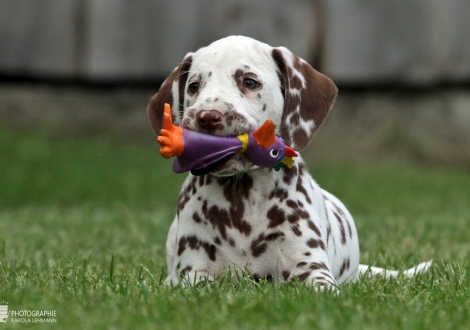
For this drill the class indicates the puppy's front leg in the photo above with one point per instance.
(193, 261)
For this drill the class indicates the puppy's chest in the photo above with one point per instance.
(234, 220)
(219, 206)
(244, 217)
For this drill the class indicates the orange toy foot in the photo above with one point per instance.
(171, 136)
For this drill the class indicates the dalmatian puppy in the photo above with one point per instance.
(279, 225)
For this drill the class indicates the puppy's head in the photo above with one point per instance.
(235, 84)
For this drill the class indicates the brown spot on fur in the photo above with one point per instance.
(326, 274)
(318, 265)
(219, 218)
(229, 106)
(195, 243)
(182, 200)
(302, 277)
(289, 174)
(285, 274)
(211, 251)
(181, 245)
(341, 227)
(279, 193)
(201, 181)
(273, 236)
(234, 187)
(185, 195)
(300, 188)
(267, 277)
(196, 217)
(295, 229)
(297, 215)
(290, 203)
(344, 266)
(276, 216)
(328, 231)
(234, 192)
(186, 269)
(349, 229)
(301, 264)
(238, 77)
(312, 226)
(258, 246)
(193, 185)
(316, 243)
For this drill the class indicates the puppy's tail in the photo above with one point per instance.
(369, 271)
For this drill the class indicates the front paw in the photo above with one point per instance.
(195, 279)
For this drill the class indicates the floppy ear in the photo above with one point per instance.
(308, 97)
(172, 92)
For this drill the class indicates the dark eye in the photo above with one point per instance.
(193, 87)
(250, 83)
(274, 153)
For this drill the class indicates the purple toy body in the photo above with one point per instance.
(203, 152)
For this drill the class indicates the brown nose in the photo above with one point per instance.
(209, 119)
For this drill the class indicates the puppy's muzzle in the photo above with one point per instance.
(209, 120)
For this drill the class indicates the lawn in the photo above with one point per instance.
(83, 224)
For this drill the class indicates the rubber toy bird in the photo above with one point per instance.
(202, 153)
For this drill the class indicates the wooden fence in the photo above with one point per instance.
(416, 42)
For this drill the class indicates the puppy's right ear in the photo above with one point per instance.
(308, 97)
(172, 92)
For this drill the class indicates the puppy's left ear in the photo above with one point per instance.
(171, 92)
(308, 97)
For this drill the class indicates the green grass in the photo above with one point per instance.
(83, 225)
